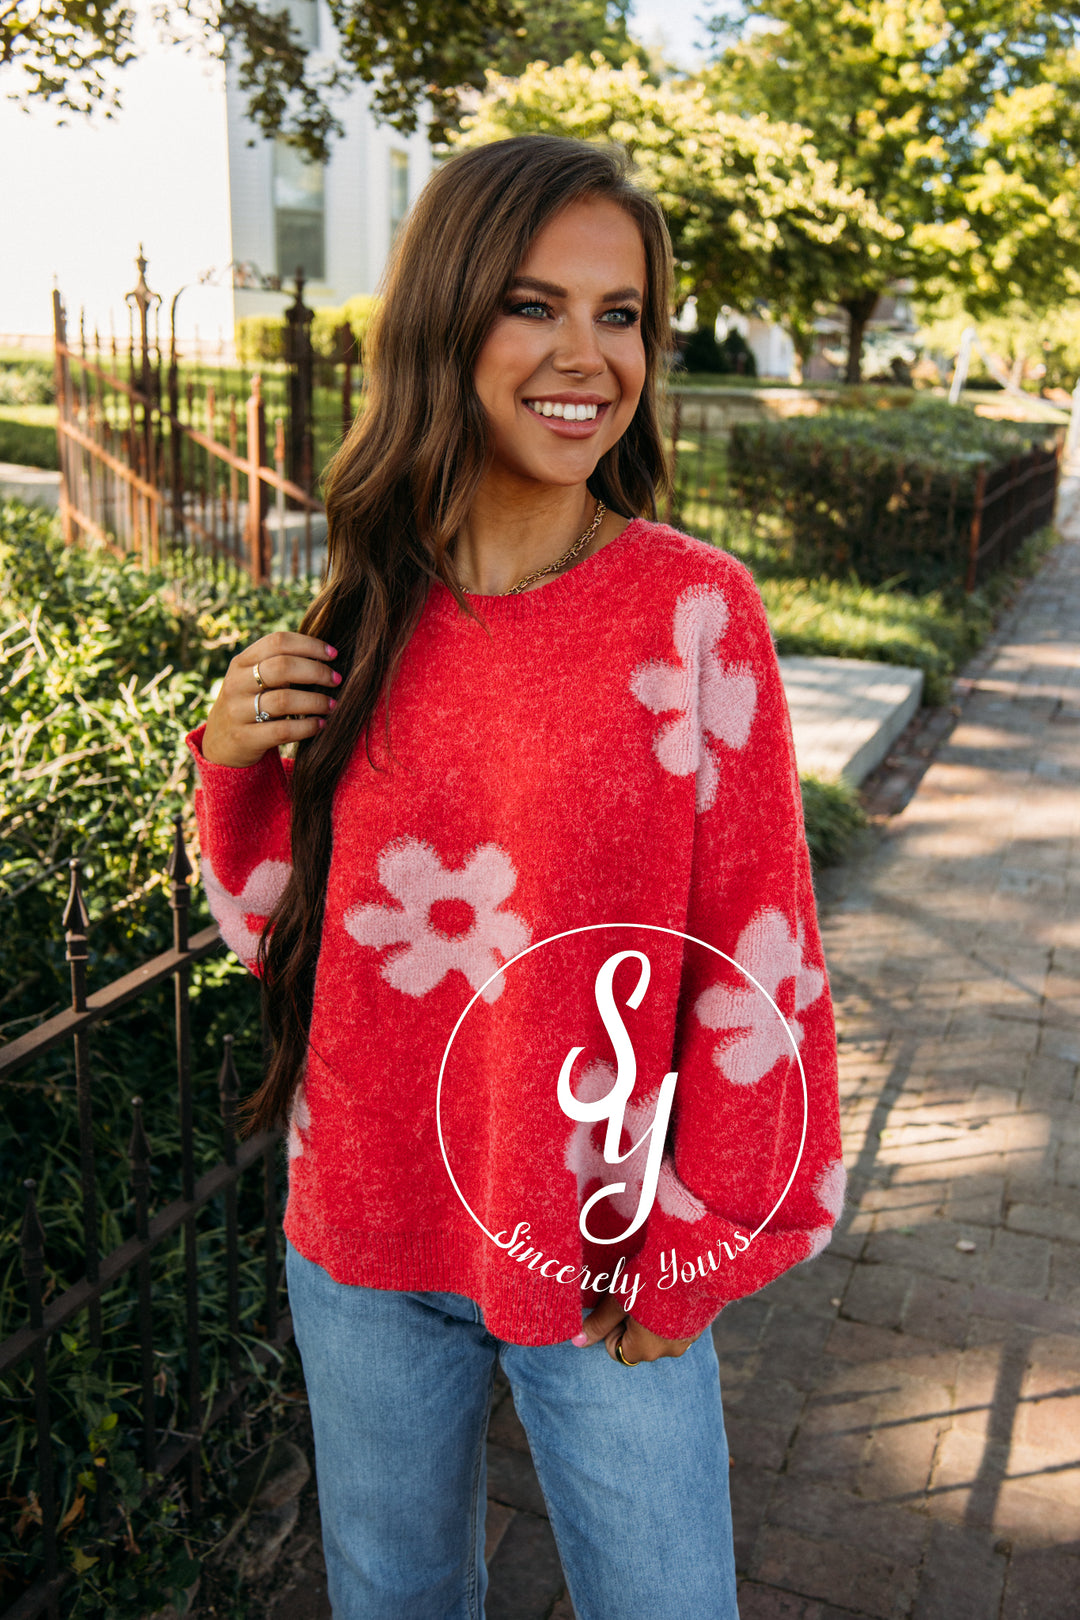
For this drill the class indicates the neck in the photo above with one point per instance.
(513, 531)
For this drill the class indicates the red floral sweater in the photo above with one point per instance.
(572, 1031)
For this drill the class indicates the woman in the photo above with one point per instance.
(544, 798)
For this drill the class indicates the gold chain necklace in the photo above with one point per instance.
(566, 557)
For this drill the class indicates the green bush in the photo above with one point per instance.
(103, 668)
(701, 352)
(736, 355)
(259, 338)
(833, 816)
(886, 495)
(262, 337)
(26, 382)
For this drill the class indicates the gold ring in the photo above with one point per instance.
(622, 1358)
(258, 678)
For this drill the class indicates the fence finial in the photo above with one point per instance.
(76, 923)
(179, 867)
(76, 918)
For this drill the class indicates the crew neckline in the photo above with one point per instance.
(563, 588)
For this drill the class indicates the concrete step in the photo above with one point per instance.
(36, 486)
(846, 713)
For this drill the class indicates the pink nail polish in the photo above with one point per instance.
(580, 1339)
(331, 652)
(322, 722)
(332, 702)
(337, 678)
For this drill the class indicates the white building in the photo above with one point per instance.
(174, 171)
(335, 220)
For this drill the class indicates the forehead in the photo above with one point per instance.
(591, 238)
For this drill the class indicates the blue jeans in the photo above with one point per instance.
(633, 1463)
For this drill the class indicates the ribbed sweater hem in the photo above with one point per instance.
(522, 1309)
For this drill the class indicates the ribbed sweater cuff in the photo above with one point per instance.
(244, 797)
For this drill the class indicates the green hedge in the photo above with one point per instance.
(26, 442)
(102, 670)
(262, 337)
(26, 382)
(883, 495)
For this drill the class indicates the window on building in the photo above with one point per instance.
(399, 188)
(299, 214)
(304, 17)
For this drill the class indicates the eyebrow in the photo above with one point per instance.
(555, 291)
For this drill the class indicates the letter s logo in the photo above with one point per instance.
(612, 1105)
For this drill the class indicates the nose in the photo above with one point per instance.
(578, 352)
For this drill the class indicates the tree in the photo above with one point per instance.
(915, 101)
(755, 214)
(64, 52)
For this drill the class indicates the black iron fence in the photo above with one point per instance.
(836, 508)
(162, 1447)
(1010, 502)
(171, 460)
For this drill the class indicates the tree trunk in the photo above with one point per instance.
(859, 310)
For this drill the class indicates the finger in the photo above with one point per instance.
(252, 742)
(289, 670)
(279, 701)
(631, 1341)
(285, 643)
(600, 1321)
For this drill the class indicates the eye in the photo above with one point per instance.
(625, 316)
(529, 307)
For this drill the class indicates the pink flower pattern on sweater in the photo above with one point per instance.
(711, 699)
(753, 1038)
(413, 873)
(234, 913)
(829, 1190)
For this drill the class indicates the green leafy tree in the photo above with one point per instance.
(411, 51)
(755, 213)
(958, 121)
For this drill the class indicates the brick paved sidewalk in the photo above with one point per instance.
(904, 1412)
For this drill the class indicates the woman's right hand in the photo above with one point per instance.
(285, 661)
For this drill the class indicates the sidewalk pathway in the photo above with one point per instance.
(904, 1412)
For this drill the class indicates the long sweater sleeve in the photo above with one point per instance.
(753, 1180)
(244, 847)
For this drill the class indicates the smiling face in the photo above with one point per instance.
(562, 369)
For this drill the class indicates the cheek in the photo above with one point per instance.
(504, 363)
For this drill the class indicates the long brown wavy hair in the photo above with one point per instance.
(403, 482)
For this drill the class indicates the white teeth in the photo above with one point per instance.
(568, 412)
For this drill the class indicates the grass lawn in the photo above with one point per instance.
(28, 435)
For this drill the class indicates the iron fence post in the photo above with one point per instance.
(301, 384)
(227, 1089)
(61, 374)
(76, 923)
(180, 869)
(139, 1154)
(258, 494)
(976, 530)
(33, 1263)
